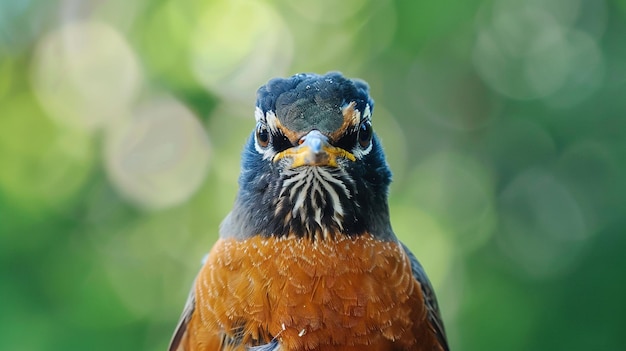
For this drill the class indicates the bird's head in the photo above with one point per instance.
(313, 166)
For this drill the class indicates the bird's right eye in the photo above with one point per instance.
(262, 135)
(365, 134)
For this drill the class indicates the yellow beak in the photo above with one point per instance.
(314, 150)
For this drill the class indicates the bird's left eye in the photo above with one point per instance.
(262, 135)
(365, 134)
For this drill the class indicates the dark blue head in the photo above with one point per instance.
(313, 167)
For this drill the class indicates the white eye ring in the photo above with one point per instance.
(262, 135)
(365, 134)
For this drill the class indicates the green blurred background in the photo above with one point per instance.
(504, 121)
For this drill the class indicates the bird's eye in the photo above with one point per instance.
(365, 134)
(262, 135)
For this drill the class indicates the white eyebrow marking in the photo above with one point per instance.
(258, 114)
(272, 121)
(368, 111)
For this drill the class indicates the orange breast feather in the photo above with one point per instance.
(343, 294)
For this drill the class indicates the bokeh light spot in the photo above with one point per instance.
(542, 225)
(145, 247)
(565, 12)
(43, 165)
(457, 191)
(519, 143)
(85, 74)
(546, 65)
(528, 51)
(590, 170)
(174, 21)
(586, 72)
(502, 44)
(426, 239)
(449, 92)
(230, 126)
(158, 158)
(380, 24)
(327, 10)
(257, 48)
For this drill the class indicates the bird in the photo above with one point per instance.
(307, 258)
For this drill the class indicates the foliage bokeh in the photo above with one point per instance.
(121, 125)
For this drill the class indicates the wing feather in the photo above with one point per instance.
(434, 315)
(181, 327)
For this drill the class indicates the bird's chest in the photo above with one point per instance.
(308, 294)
